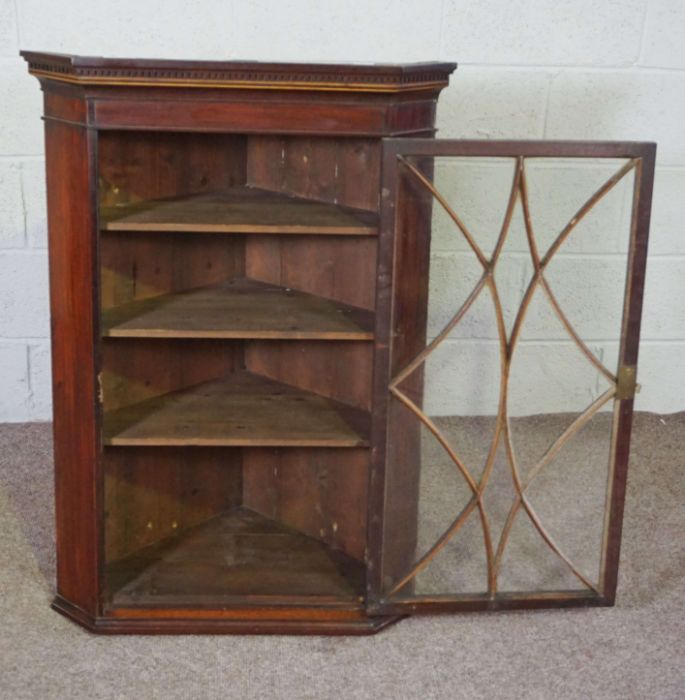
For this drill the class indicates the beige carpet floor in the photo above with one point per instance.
(635, 650)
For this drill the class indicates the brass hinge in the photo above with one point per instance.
(627, 386)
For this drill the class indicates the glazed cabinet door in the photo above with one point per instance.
(510, 278)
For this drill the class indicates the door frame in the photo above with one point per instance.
(392, 150)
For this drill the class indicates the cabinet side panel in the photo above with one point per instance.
(401, 313)
(408, 329)
(411, 273)
(320, 492)
(71, 223)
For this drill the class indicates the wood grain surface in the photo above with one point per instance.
(238, 553)
(240, 308)
(241, 409)
(239, 210)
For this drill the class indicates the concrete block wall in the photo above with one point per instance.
(613, 69)
(587, 275)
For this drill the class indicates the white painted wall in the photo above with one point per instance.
(595, 69)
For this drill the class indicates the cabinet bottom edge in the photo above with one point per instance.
(355, 622)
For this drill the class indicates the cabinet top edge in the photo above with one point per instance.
(352, 77)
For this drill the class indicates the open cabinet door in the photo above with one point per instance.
(512, 275)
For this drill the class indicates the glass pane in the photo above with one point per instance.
(502, 395)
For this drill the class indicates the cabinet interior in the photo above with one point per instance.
(237, 288)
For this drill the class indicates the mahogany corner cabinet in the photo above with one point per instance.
(271, 358)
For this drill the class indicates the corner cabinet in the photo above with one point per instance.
(240, 256)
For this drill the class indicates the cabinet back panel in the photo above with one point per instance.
(141, 265)
(342, 268)
(344, 171)
(320, 492)
(340, 370)
(151, 494)
(137, 165)
(135, 369)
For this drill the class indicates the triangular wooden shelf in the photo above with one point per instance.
(241, 308)
(237, 553)
(242, 409)
(240, 210)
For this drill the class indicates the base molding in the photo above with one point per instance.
(352, 622)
